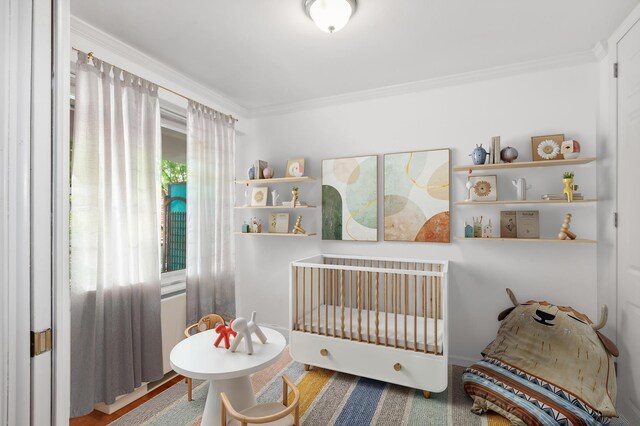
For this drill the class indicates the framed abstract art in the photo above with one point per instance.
(350, 198)
(416, 196)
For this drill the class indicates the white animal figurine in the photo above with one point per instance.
(245, 329)
(521, 188)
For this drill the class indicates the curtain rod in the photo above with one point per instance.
(90, 56)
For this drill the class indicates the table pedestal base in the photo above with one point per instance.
(239, 392)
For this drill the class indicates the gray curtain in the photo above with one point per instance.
(210, 191)
(115, 221)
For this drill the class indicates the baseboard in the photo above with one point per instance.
(462, 361)
(127, 399)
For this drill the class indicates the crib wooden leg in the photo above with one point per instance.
(426, 394)
(307, 367)
(189, 389)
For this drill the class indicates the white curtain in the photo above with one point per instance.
(210, 194)
(115, 221)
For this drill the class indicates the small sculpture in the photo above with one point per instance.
(469, 187)
(224, 331)
(508, 154)
(564, 230)
(267, 173)
(256, 225)
(251, 172)
(477, 227)
(479, 155)
(298, 226)
(244, 330)
(567, 178)
(468, 230)
(570, 149)
(521, 188)
(294, 194)
(274, 197)
(487, 231)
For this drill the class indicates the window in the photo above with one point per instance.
(173, 218)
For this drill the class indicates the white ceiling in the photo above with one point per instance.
(267, 52)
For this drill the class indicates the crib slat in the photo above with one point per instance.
(368, 300)
(358, 303)
(295, 318)
(326, 306)
(350, 301)
(377, 303)
(319, 286)
(386, 343)
(406, 307)
(311, 299)
(395, 309)
(424, 308)
(437, 314)
(415, 309)
(304, 297)
(342, 304)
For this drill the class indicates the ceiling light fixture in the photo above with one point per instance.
(330, 15)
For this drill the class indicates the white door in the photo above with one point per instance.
(628, 224)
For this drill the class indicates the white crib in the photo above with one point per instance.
(380, 318)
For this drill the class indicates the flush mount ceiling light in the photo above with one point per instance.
(330, 15)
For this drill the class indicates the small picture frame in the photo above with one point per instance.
(484, 188)
(546, 148)
(279, 223)
(259, 196)
(295, 167)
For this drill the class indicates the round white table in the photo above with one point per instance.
(226, 371)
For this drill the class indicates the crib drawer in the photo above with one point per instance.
(403, 367)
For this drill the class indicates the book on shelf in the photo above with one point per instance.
(495, 149)
(553, 197)
(259, 167)
(290, 204)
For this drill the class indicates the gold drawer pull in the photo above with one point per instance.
(397, 366)
(324, 352)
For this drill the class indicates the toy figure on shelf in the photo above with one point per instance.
(224, 331)
(294, 196)
(477, 227)
(244, 330)
(297, 228)
(564, 230)
(487, 231)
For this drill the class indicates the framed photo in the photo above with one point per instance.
(350, 198)
(545, 148)
(279, 223)
(416, 196)
(295, 168)
(259, 196)
(485, 188)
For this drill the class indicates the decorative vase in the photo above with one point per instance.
(251, 172)
(508, 154)
(268, 173)
(521, 188)
(568, 190)
(274, 197)
(479, 155)
(247, 196)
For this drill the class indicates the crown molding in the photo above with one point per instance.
(573, 59)
(99, 39)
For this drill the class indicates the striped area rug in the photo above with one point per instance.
(327, 398)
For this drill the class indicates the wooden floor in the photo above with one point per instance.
(96, 417)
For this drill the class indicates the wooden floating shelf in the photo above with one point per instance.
(274, 234)
(535, 240)
(470, 203)
(276, 207)
(275, 180)
(522, 164)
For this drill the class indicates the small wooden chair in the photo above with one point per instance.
(273, 413)
(207, 322)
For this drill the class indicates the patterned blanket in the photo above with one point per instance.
(523, 398)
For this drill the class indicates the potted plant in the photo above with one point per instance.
(294, 193)
(567, 178)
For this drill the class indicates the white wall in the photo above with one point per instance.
(560, 100)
